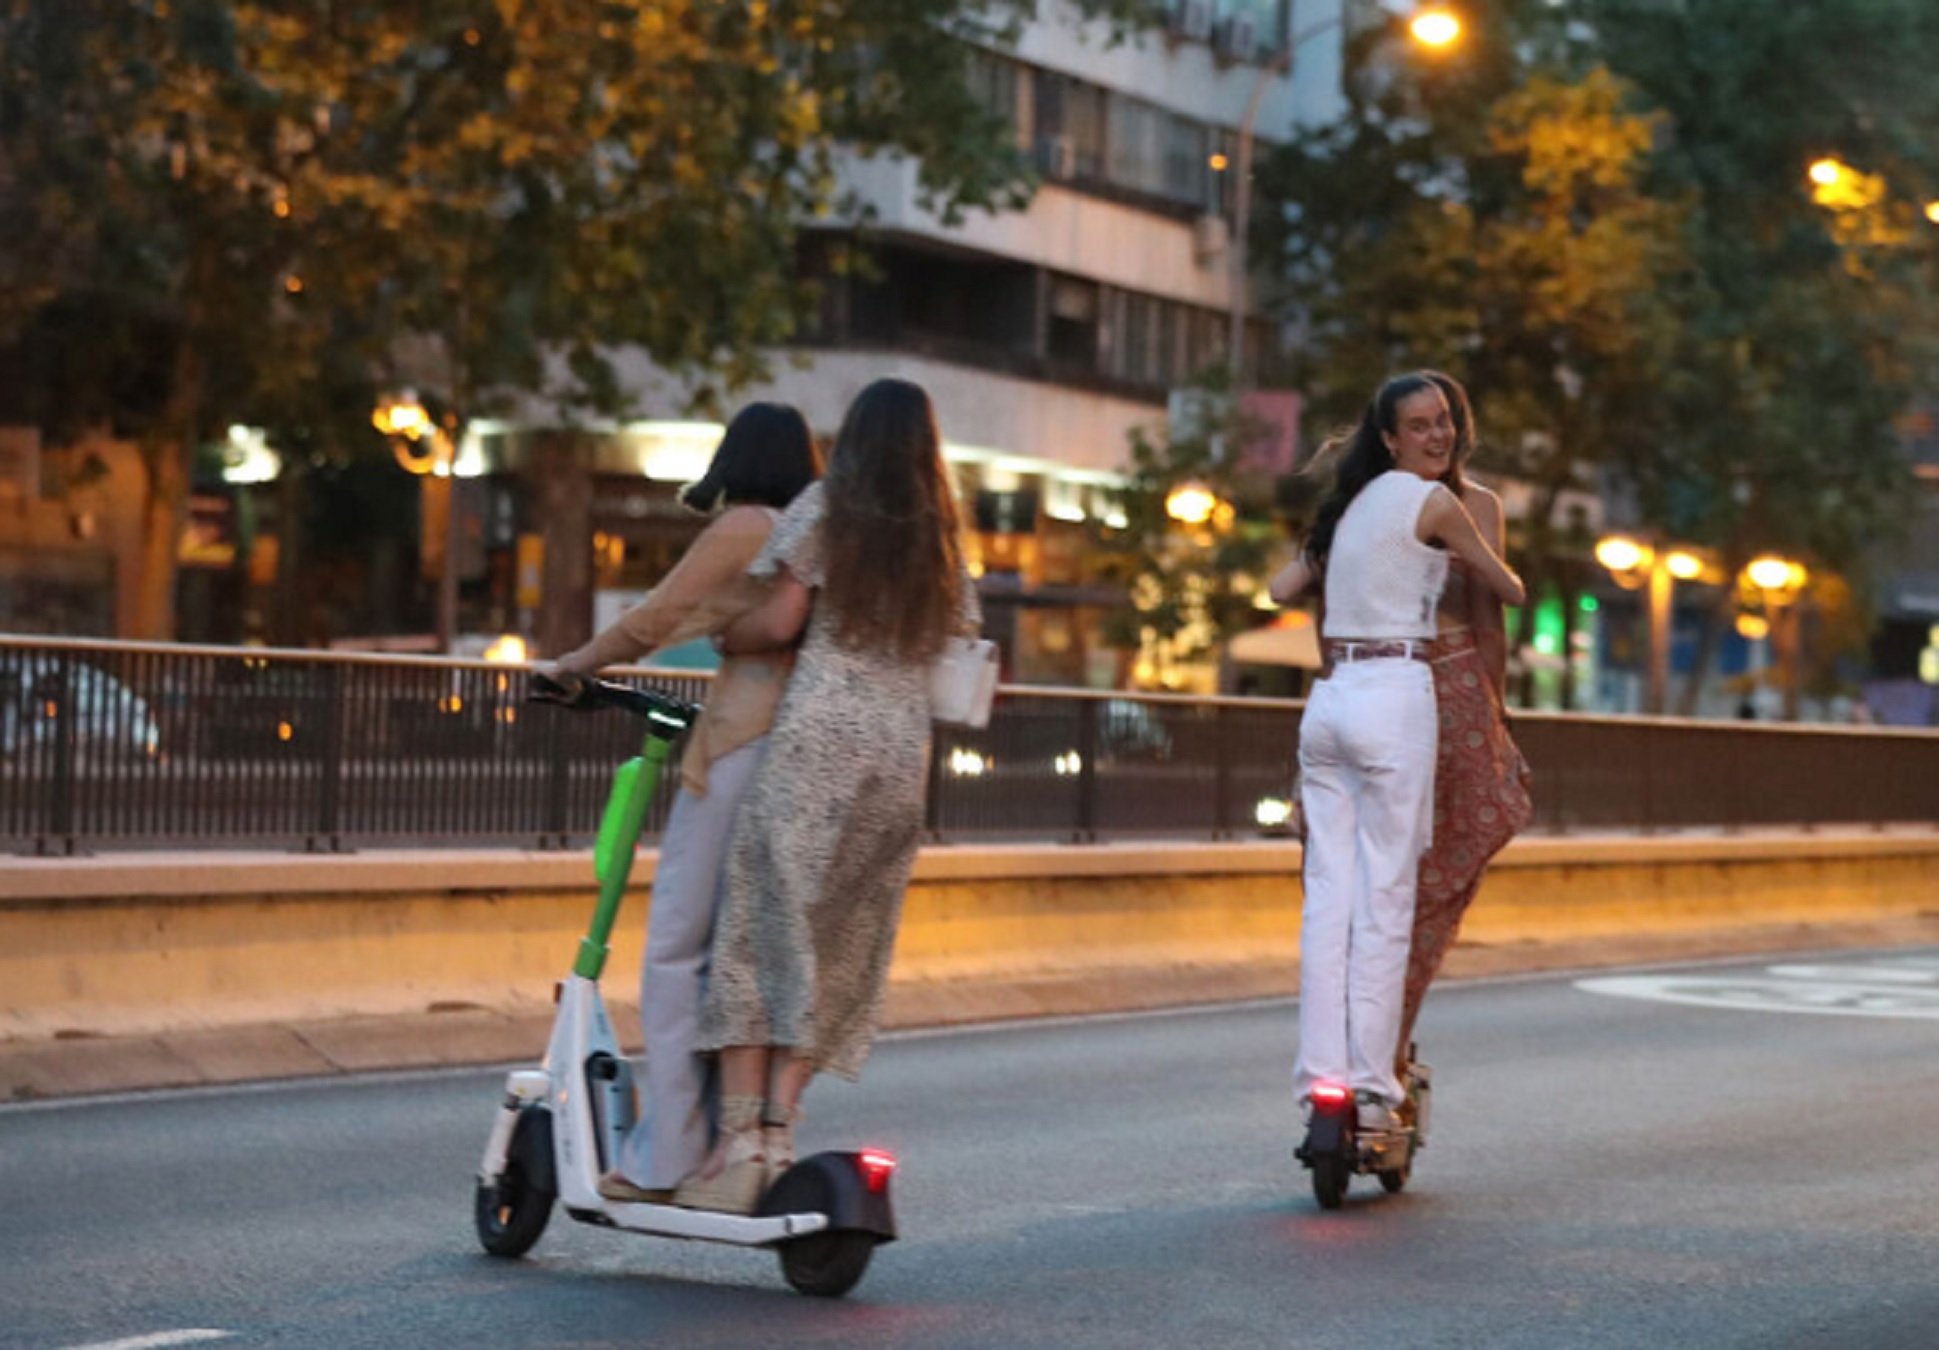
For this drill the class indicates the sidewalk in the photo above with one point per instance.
(469, 1035)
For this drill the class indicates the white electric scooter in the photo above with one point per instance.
(561, 1124)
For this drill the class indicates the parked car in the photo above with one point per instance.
(110, 719)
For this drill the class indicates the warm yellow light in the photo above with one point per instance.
(1218, 163)
(1932, 212)
(401, 415)
(1435, 28)
(1620, 553)
(1752, 627)
(508, 649)
(293, 284)
(284, 731)
(1771, 573)
(1825, 172)
(1191, 503)
(1683, 566)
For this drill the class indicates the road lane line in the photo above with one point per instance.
(156, 1339)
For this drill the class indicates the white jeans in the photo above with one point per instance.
(677, 1105)
(1366, 762)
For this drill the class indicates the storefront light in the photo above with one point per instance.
(674, 452)
(247, 458)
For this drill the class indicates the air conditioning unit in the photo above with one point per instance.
(1191, 19)
(1057, 156)
(1209, 238)
(1239, 38)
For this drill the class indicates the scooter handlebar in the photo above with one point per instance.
(659, 708)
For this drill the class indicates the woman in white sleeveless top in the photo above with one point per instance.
(1380, 548)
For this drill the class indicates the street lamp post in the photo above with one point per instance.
(1635, 563)
(424, 448)
(1781, 582)
(1431, 28)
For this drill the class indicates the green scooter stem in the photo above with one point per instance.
(619, 836)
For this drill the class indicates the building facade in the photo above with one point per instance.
(1045, 335)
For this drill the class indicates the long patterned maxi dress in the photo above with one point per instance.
(825, 839)
(1481, 796)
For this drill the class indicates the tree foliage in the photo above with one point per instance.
(1599, 217)
(262, 212)
(1189, 585)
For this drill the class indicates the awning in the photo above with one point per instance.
(1291, 640)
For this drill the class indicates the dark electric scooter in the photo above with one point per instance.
(561, 1124)
(1336, 1149)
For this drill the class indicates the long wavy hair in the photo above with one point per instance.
(1461, 413)
(1363, 457)
(892, 535)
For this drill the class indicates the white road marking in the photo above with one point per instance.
(1859, 974)
(1907, 989)
(155, 1340)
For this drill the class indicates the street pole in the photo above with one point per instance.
(1662, 591)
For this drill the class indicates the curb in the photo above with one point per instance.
(82, 1066)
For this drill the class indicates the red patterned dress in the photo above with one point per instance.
(1481, 796)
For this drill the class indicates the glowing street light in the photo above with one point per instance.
(1191, 503)
(1683, 565)
(1826, 172)
(1772, 573)
(1619, 553)
(1435, 28)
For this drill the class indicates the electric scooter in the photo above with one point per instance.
(561, 1125)
(1336, 1149)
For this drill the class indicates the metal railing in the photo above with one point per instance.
(130, 745)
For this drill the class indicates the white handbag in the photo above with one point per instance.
(962, 682)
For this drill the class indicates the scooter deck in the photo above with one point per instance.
(703, 1225)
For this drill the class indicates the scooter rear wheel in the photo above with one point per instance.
(827, 1264)
(511, 1211)
(1330, 1177)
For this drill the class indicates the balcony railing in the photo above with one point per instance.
(108, 745)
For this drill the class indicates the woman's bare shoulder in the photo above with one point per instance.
(1483, 503)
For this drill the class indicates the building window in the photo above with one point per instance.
(1073, 331)
(998, 85)
(1070, 127)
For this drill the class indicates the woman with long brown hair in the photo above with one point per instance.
(868, 563)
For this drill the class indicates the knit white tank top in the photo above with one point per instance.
(1381, 580)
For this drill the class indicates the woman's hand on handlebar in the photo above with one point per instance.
(555, 683)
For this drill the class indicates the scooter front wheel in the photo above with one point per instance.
(827, 1264)
(511, 1210)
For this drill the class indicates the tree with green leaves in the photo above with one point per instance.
(1599, 219)
(216, 210)
(1190, 583)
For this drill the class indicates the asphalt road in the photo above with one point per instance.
(1734, 1156)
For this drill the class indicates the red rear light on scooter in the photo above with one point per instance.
(875, 1165)
(1331, 1096)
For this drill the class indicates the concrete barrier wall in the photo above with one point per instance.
(155, 943)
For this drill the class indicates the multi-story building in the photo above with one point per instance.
(1044, 335)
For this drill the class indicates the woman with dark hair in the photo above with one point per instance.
(764, 461)
(869, 562)
(1380, 549)
(1481, 797)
